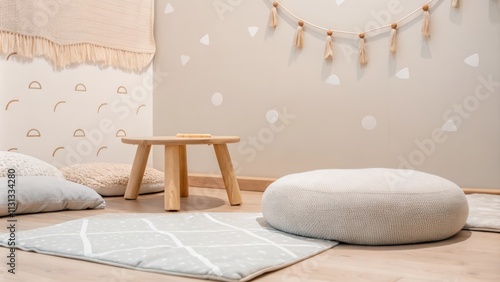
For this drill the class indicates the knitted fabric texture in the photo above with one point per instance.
(366, 206)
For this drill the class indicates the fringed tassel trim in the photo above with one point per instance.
(394, 32)
(298, 39)
(273, 18)
(362, 56)
(64, 55)
(329, 45)
(425, 26)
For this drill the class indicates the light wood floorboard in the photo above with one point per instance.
(468, 256)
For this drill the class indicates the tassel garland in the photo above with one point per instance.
(425, 25)
(273, 18)
(329, 45)
(362, 56)
(392, 47)
(298, 40)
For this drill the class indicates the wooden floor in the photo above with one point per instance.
(468, 256)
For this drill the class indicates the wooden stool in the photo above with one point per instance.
(176, 177)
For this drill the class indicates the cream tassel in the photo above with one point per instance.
(425, 25)
(455, 4)
(298, 40)
(273, 18)
(329, 45)
(362, 56)
(394, 32)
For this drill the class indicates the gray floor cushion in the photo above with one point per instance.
(373, 206)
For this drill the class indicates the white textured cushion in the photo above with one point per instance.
(36, 186)
(110, 179)
(35, 194)
(25, 165)
(366, 206)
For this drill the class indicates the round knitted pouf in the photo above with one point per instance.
(373, 206)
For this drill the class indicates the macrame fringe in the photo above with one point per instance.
(425, 26)
(273, 18)
(362, 56)
(298, 39)
(394, 32)
(329, 45)
(455, 3)
(64, 55)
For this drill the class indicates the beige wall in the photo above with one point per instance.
(430, 107)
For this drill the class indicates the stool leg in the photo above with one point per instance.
(137, 172)
(183, 182)
(228, 175)
(172, 195)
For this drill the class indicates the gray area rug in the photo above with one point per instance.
(217, 246)
(484, 213)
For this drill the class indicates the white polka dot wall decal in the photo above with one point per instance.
(333, 79)
(217, 99)
(205, 40)
(339, 2)
(472, 60)
(404, 73)
(185, 59)
(169, 8)
(253, 30)
(369, 122)
(449, 126)
(272, 116)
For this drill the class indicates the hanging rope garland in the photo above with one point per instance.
(362, 50)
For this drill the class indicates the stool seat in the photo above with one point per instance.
(374, 206)
(176, 177)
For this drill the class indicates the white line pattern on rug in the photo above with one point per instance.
(133, 249)
(203, 259)
(253, 235)
(87, 247)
